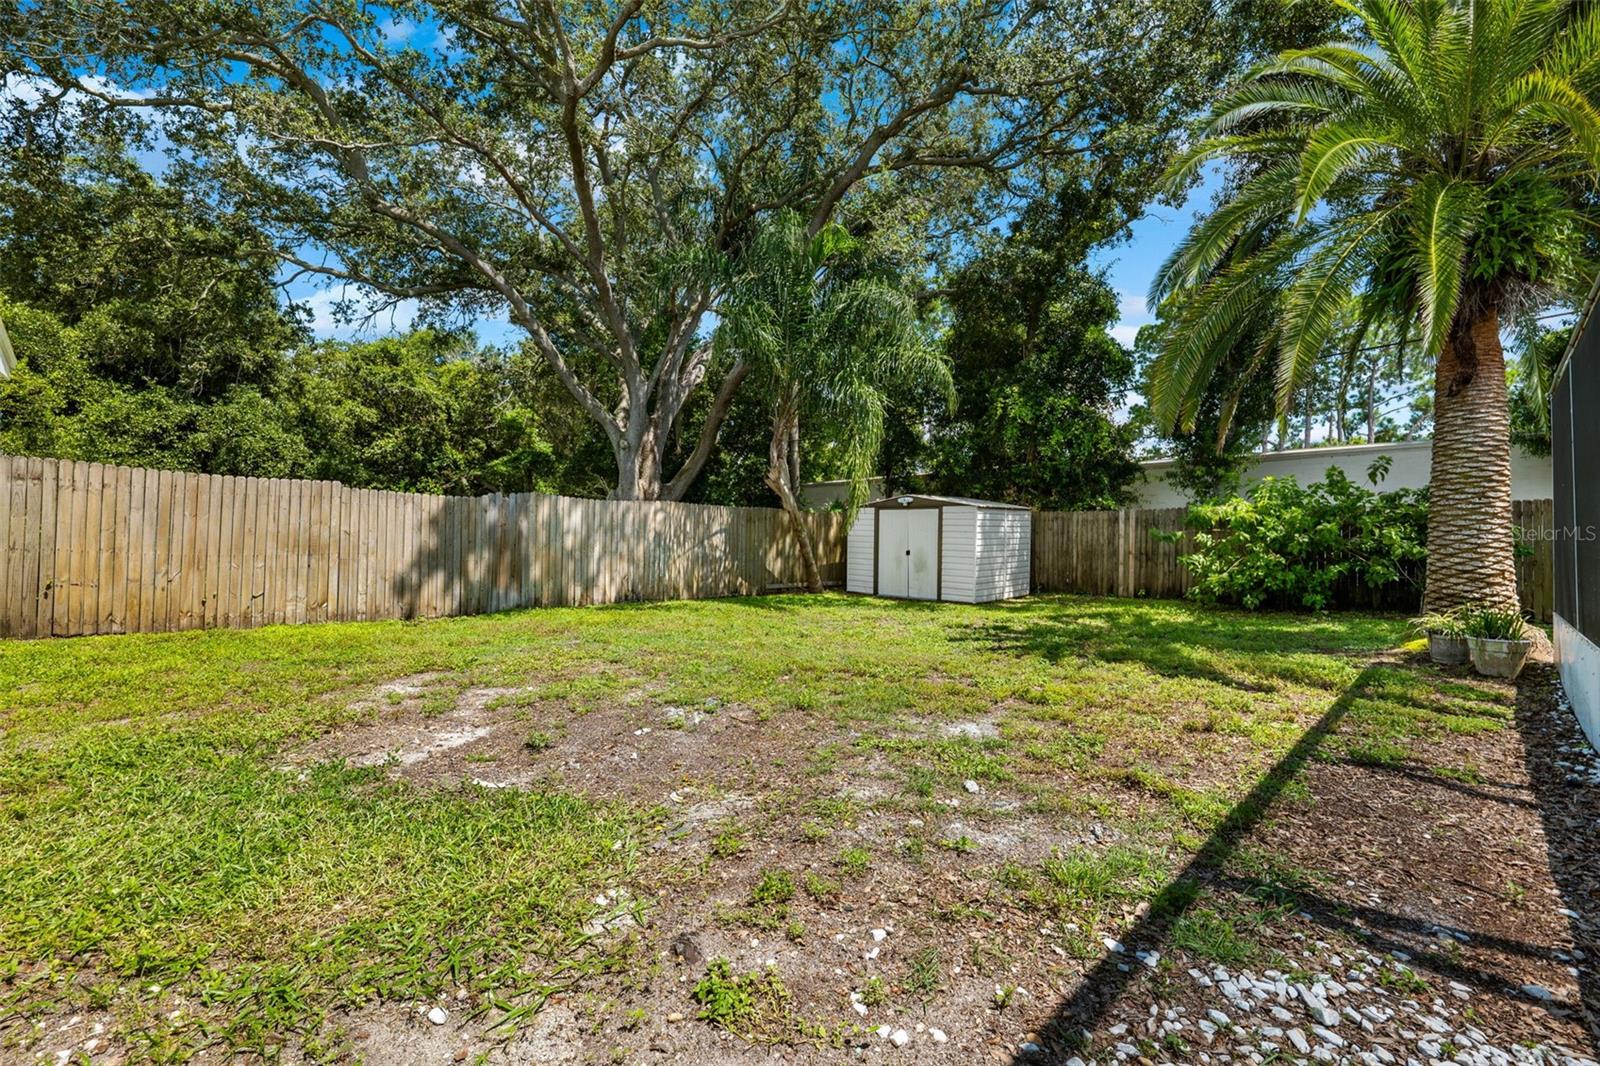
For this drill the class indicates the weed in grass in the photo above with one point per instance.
(821, 889)
(874, 993)
(843, 812)
(1213, 937)
(795, 930)
(855, 861)
(954, 759)
(960, 844)
(1467, 775)
(728, 841)
(814, 832)
(753, 1005)
(1380, 754)
(775, 886)
(539, 740)
(1402, 979)
(923, 973)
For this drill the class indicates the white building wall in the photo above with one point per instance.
(959, 573)
(860, 549)
(1004, 543)
(1411, 463)
(1579, 662)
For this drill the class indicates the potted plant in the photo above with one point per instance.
(1447, 637)
(1495, 641)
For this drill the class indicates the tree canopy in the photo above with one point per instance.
(582, 169)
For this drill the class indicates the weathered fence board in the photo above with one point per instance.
(87, 548)
(1118, 553)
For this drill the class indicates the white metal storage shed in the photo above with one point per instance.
(940, 548)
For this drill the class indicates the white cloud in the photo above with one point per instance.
(326, 324)
(397, 30)
(1131, 314)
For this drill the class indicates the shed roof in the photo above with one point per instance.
(951, 501)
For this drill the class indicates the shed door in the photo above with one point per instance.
(908, 553)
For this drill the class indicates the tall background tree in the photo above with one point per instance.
(153, 334)
(825, 332)
(1433, 169)
(1038, 375)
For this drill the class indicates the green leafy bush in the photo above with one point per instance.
(1331, 544)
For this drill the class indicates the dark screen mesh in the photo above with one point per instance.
(1575, 442)
(1561, 461)
(1584, 382)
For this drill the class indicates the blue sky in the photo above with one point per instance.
(1131, 265)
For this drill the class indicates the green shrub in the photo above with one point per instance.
(1319, 546)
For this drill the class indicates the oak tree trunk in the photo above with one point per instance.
(1470, 557)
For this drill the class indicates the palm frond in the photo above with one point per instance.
(1333, 151)
(1445, 213)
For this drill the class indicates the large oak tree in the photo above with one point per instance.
(584, 168)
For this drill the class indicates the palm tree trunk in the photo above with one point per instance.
(1469, 513)
(780, 466)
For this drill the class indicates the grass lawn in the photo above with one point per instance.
(258, 839)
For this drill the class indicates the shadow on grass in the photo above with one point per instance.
(1104, 984)
(1172, 639)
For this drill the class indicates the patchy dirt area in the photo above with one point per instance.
(1030, 872)
(1419, 920)
(642, 751)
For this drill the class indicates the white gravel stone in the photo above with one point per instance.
(900, 1038)
(438, 1016)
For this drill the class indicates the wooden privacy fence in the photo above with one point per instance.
(1114, 553)
(88, 548)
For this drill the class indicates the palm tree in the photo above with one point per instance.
(1434, 171)
(823, 345)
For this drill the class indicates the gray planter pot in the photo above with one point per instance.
(1451, 651)
(1498, 658)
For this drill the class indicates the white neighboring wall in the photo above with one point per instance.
(1411, 463)
(1579, 662)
